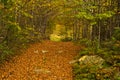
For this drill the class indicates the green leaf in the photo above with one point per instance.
(26, 14)
(93, 23)
(105, 15)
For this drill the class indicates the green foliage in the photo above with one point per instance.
(92, 72)
(67, 39)
(87, 10)
(105, 15)
(26, 14)
(4, 1)
(109, 51)
(85, 15)
(84, 42)
(116, 34)
(92, 46)
(14, 32)
(5, 52)
(82, 72)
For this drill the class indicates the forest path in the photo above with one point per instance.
(42, 61)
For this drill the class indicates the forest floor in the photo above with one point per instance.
(42, 61)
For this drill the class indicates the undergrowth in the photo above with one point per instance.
(109, 51)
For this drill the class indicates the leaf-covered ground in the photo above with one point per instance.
(41, 61)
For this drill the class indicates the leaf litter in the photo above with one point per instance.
(33, 64)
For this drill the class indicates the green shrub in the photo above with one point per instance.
(109, 51)
(116, 34)
(67, 39)
(92, 72)
(5, 52)
(85, 42)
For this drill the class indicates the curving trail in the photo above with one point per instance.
(41, 61)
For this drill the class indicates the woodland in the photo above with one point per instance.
(73, 28)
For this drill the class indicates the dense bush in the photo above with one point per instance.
(109, 71)
(67, 39)
(5, 52)
(110, 52)
(83, 72)
(116, 34)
